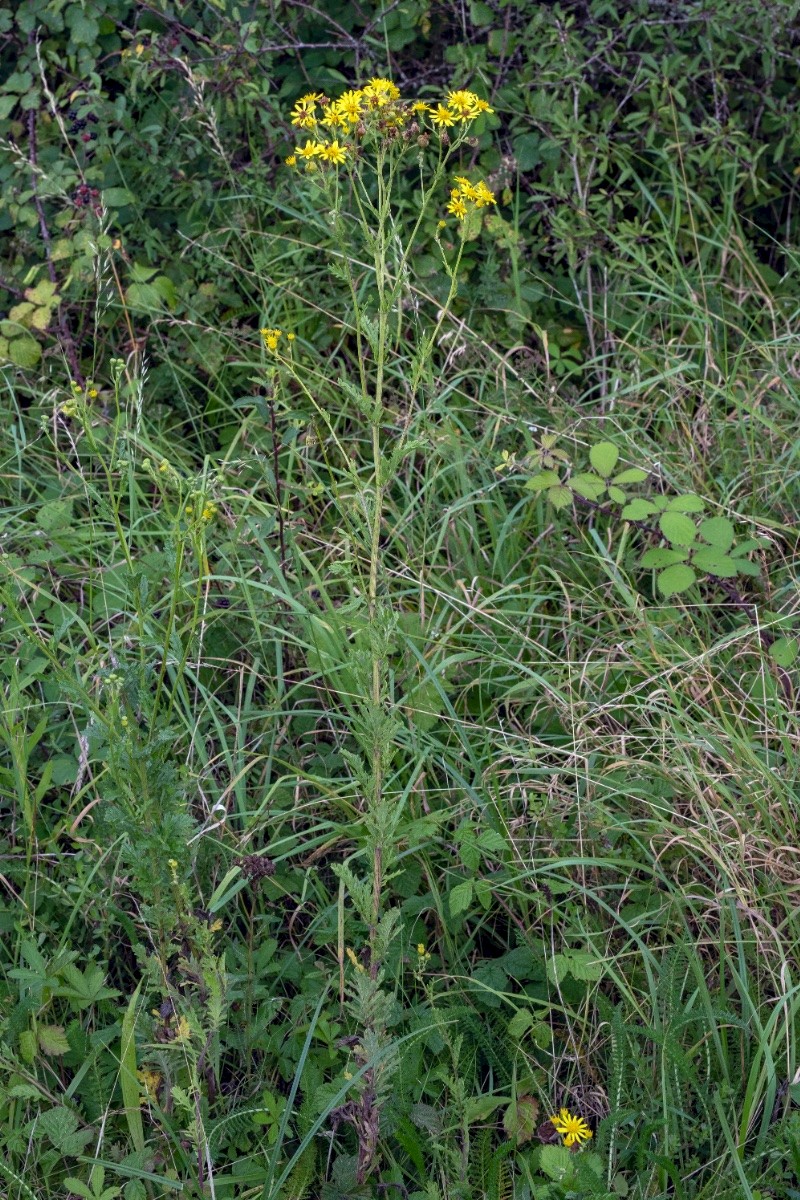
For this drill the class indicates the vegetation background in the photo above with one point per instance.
(233, 963)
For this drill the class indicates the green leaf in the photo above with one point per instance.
(631, 475)
(677, 528)
(661, 556)
(555, 1161)
(480, 14)
(84, 28)
(54, 515)
(638, 510)
(521, 1022)
(688, 502)
(521, 1117)
(603, 458)
(460, 897)
(526, 150)
(560, 497)
(127, 1072)
(783, 651)
(616, 494)
(718, 531)
(580, 964)
(745, 567)
(25, 352)
(715, 563)
(587, 485)
(545, 479)
(52, 1040)
(674, 580)
(27, 1046)
(117, 197)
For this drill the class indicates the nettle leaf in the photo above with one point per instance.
(521, 1022)
(674, 580)
(662, 556)
(580, 964)
(560, 497)
(590, 486)
(715, 563)
(688, 502)
(603, 458)
(638, 510)
(718, 531)
(677, 528)
(631, 475)
(783, 652)
(556, 1161)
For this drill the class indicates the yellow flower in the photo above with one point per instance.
(380, 91)
(271, 337)
(483, 196)
(208, 512)
(334, 119)
(310, 150)
(419, 106)
(350, 105)
(421, 949)
(150, 1081)
(333, 153)
(442, 116)
(574, 1130)
(462, 104)
(457, 207)
(481, 106)
(291, 160)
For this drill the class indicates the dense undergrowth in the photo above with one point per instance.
(399, 737)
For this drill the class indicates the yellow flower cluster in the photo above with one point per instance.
(466, 193)
(573, 1129)
(377, 103)
(271, 337)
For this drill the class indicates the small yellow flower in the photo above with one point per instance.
(574, 1130)
(442, 117)
(457, 207)
(291, 336)
(271, 337)
(482, 106)
(291, 160)
(419, 106)
(310, 150)
(163, 466)
(215, 926)
(421, 949)
(483, 196)
(333, 119)
(208, 512)
(350, 105)
(333, 153)
(462, 104)
(93, 393)
(380, 91)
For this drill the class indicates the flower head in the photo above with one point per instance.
(291, 160)
(442, 117)
(271, 337)
(574, 1130)
(333, 153)
(309, 151)
(379, 92)
(350, 106)
(456, 205)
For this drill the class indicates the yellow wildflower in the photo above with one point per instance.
(419, 106)
(457, 207)
(208, 512)
(333, 153)
(291, 160)
(333, 119)
(574, 1130)
(483, 196)
(304, 110)
(271, 337)
(350, 105)
(481, 106)
(462, 104)
(380, 91)
(310, 150)
(442, 116)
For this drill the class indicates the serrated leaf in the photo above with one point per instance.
(718, 531)
(591, 487)
(580, 964)
(688, 502)
(616, 494)
(521, 1022)
(661, 556)
(603, 458)
(677, 529)
(545, 479)
(745, 567)
(58, 1125)
(520, 1118)
(631, 475)
(783, 651)
(426, 1117)
(638, 510)
(715, 563)
(555, 1161)
(460, 897)
(27, 1046)
(559, 497)
(24, 352)
(52, 1040)
(674, 580)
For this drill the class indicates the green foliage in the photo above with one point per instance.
(398, 738)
